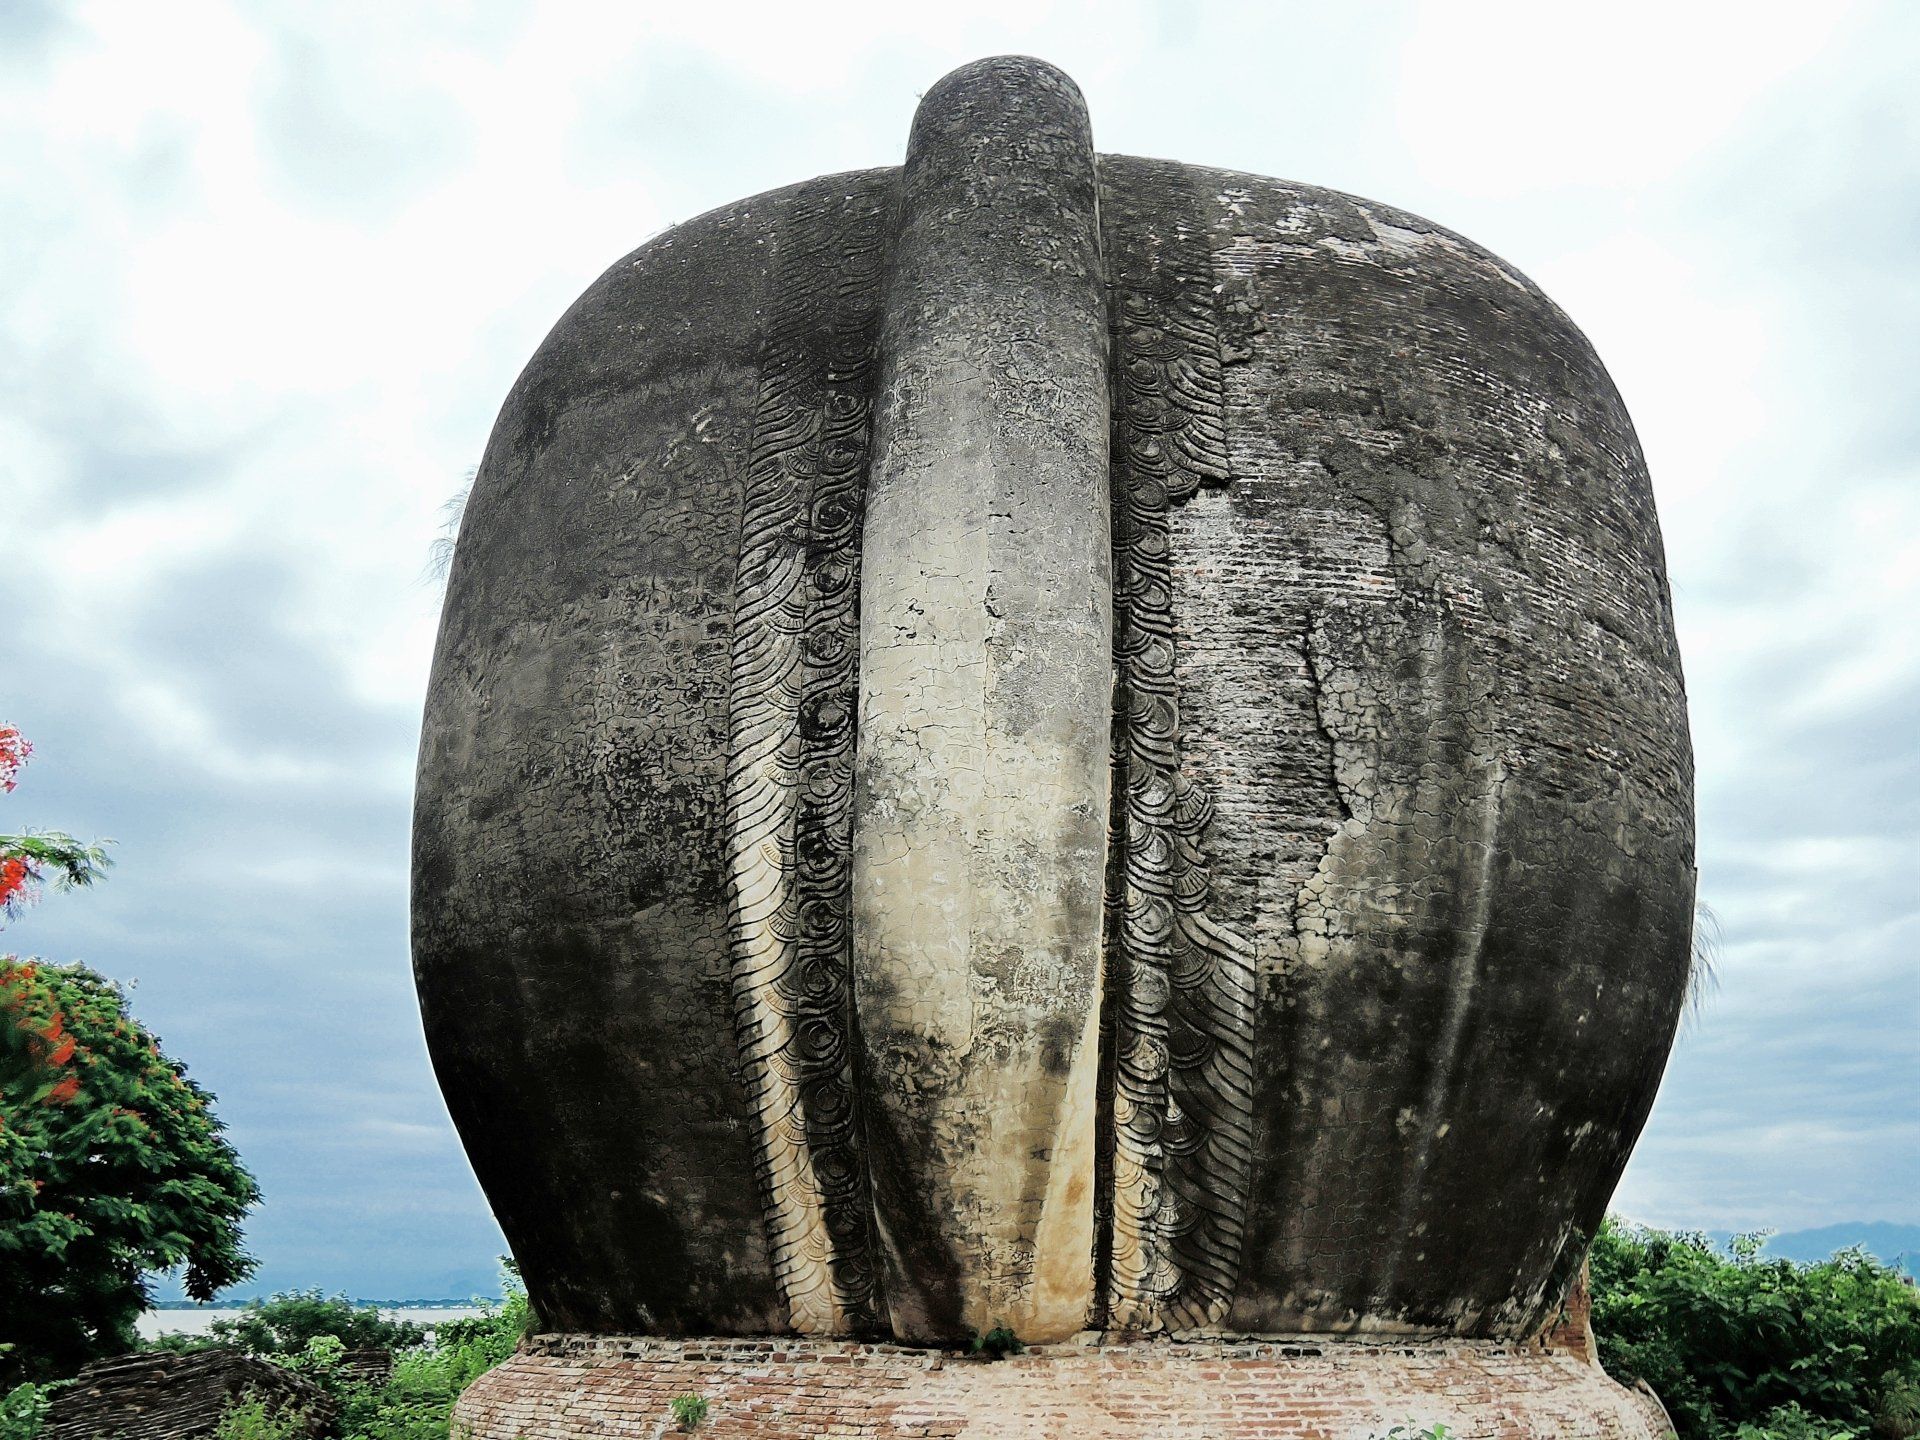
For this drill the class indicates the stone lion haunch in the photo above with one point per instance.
(1054, 739)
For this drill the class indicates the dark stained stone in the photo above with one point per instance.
(770, 782)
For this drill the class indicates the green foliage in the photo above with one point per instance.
(689, 1411)
(72, 863)
(416, 1401)
(311, 1333)
(1896, 1415)
(322, 1355)
(23, 1410)
(998, 1341)
(112, 1166)
(1741, 1348)
(512, 1318)
(287, 1325)
(250, 1418)
(1435, 1431)
(1790, 1422)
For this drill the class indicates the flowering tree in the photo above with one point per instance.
(29, 861)
(112, 1163)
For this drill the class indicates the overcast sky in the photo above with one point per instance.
(266, 273)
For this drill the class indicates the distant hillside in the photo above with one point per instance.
(1896, 1244)
(1888, 1240)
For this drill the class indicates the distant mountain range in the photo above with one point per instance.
(1893, 1243)
(1886, 1240)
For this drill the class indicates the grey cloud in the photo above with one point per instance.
(29, 28)
(115, 464)
(289, 996)
(1855, 773)
(220, 627)
(1756, 560)
(1789, 1113)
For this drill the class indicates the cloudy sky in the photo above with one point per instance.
(266, 272)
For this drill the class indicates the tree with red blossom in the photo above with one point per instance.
(112, 1163)
(29, 861)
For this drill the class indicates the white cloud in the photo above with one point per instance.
(268, 272)
(1504, 97)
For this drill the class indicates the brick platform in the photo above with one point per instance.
(570, 1387)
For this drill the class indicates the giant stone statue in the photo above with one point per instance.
(1061, 741)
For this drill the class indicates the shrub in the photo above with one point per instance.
(1896, 1415)
(323, 1353)
(250, 1418)
(1790, 1422)
(998, 1341)
(689, 1411)
(23, 1410)
(416, 1401)
(1744, 1348)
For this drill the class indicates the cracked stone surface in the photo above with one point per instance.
(1054, 738)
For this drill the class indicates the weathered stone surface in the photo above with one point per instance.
(1069, 740)
(1427, 682)
(578, 943)
(986, 649)
(161, 1396)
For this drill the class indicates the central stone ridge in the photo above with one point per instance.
(1056, 741)
(986, 646)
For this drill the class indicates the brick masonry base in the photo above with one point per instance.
(579, 1387)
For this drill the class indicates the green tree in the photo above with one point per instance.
(112, 1163)
(112, 1166)
(285, 1324)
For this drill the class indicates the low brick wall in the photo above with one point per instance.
(571, 1387)
(157, 1395)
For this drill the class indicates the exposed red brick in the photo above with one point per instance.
(569, 1387)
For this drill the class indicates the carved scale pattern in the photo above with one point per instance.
(792, 709)
(1181, 985)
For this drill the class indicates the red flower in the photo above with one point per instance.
(64, 1091)
(15, 876)
(14, 751)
